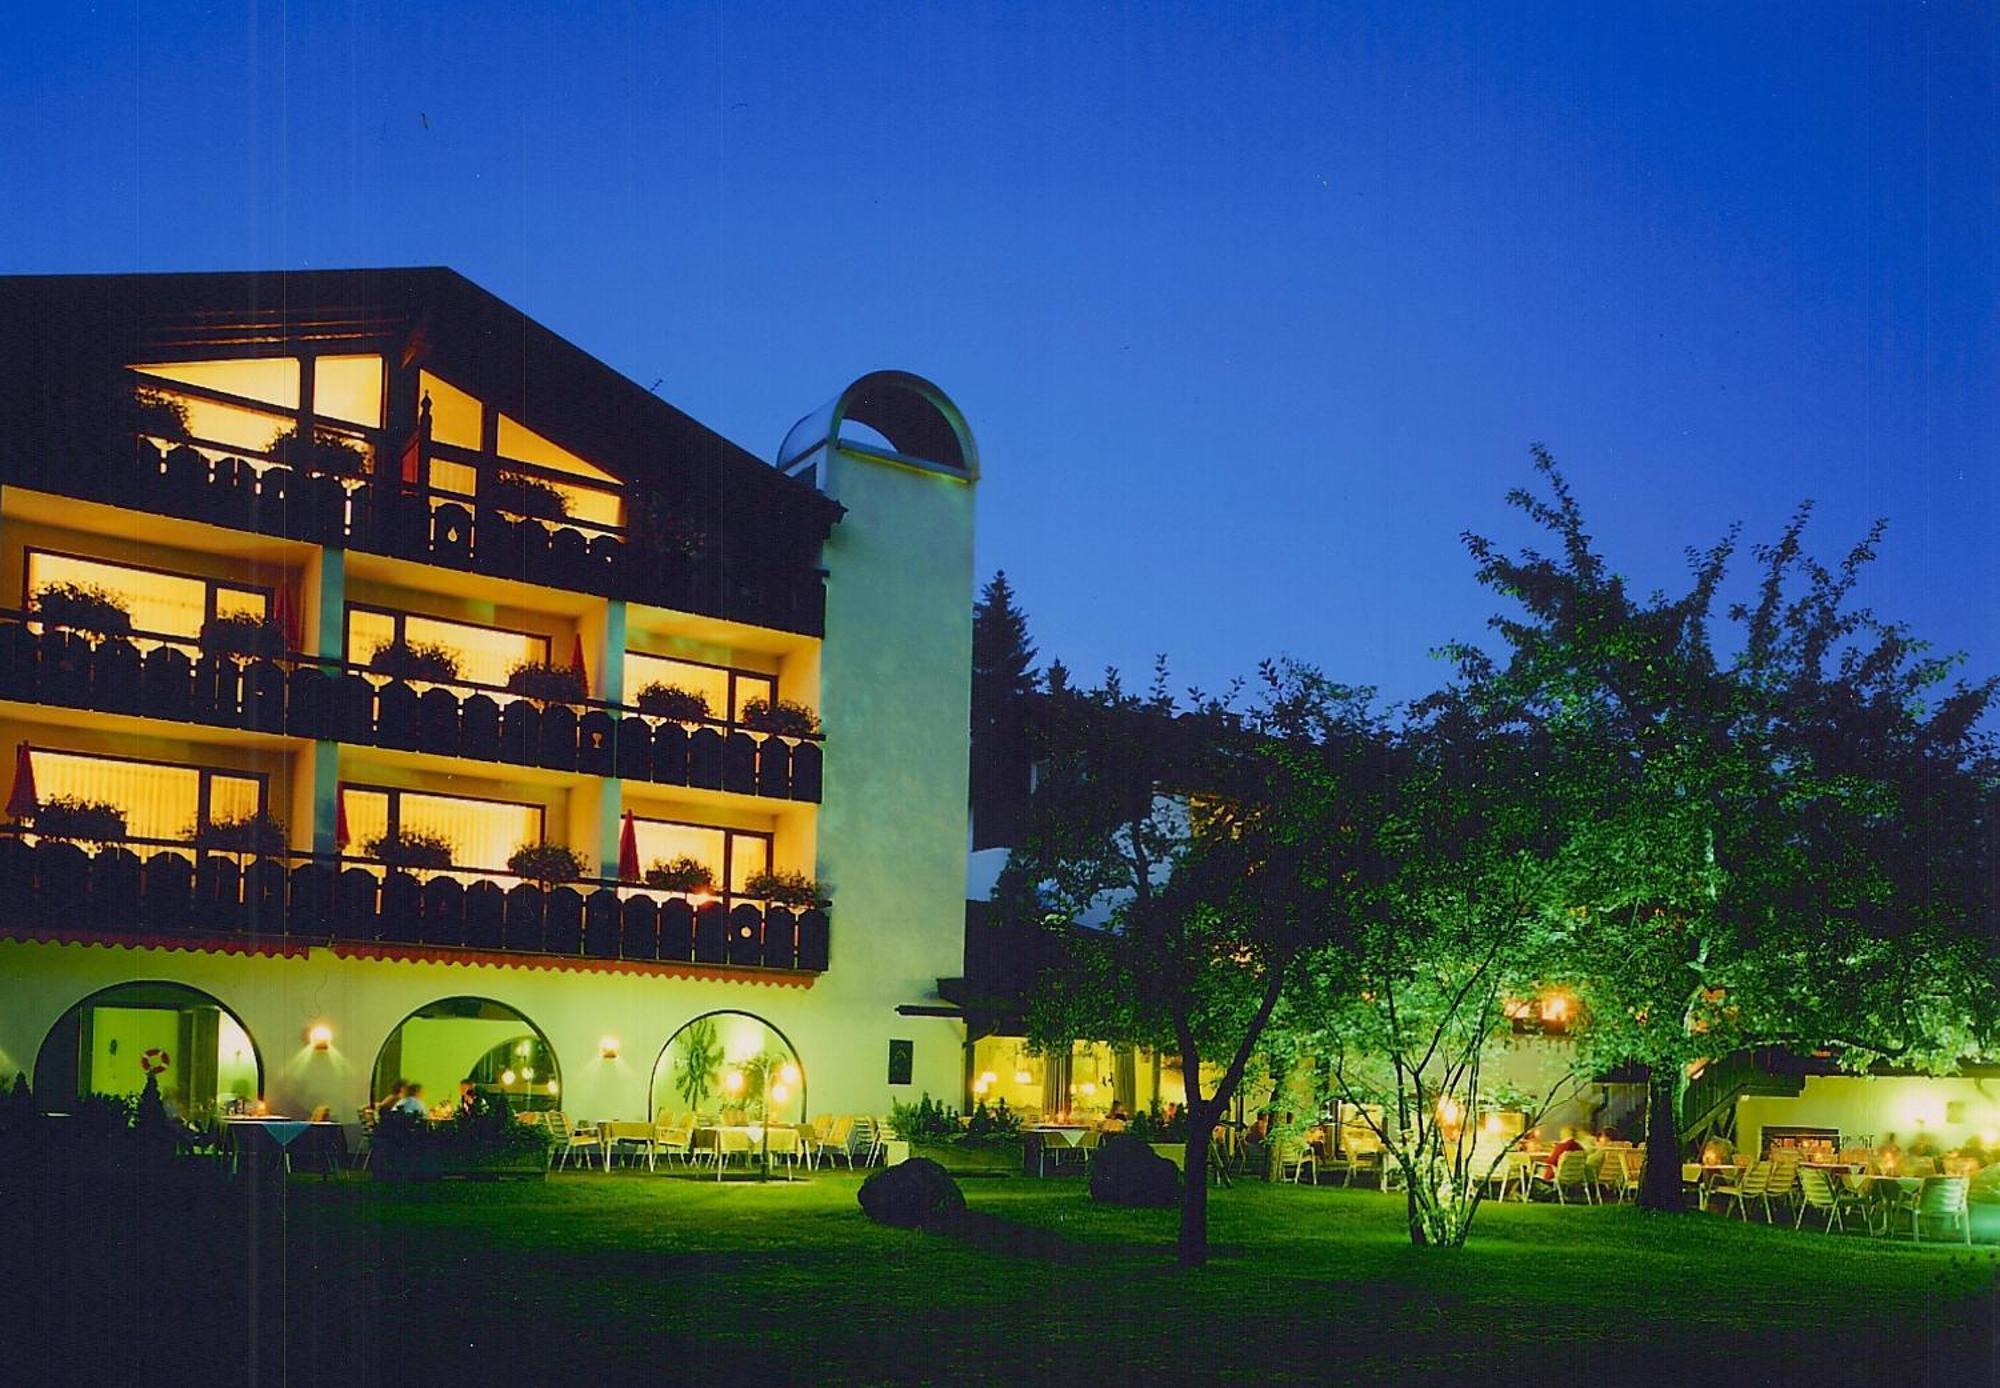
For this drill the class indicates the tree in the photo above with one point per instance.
(1003, 681)
(1405, 1009)
(1733, 821)
(1166, 852)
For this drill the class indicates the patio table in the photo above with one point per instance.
(1047, 1136)
(282, 1138)
(617, 1130)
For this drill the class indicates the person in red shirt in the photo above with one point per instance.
(1556, 1153)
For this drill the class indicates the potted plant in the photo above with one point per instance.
(84, 606)
(323, 450)
(242, 633)
(780, 716)
(526, 496)
(546, 682)
(689, 876)
(157, 414)
(67, 817)
(411, 850)
(549, 864)
(673, 702)
(793, 889)
(250, 833)
(414, 660)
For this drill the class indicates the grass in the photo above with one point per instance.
(609, 1279)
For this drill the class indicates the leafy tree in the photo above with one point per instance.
(1405, 1009)
(1751, 847)
(1183, 886)
(1003, 681)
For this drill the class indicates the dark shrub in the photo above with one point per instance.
(82, 605)
(671, 701)
(916, 1194)
(412, 848)
(414, 660)
(526, 496)
(547, 863)
(785, 889)
(325, 451)
(779, 716)
(546, 683)
(251, 833)
(66, 817)
(162, 416)
(1126, 1171)
(682, 874)
(243, 634)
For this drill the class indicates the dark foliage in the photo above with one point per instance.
(915, 1194)
(786, 889)
(1126, 1171)
(414, 660)
(682, 874)
(84, 606)
(251, 833)
(412, 848)
(527, 496)
(66, 817)
(550, 864)
(779, 716)
(671, 701)
(546, 682)
(243, 634)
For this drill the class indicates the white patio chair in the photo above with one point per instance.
(671, 1138)
(1942, 1197)
(1572, 1174)
(570, 1139)
(1817, 1191)
(1748, 1186)
(731, 1142)
(1297, 1158)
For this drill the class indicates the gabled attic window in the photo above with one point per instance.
(458, 436)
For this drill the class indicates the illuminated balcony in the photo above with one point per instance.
(159, 676)
(251, 491)
(155, 891)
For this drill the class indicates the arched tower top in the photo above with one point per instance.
(892, 415)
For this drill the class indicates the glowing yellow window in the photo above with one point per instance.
(163, 603)
(482, 833)
(349, 389)
(159, 800)
(267, 380)
(661, 841)
(454, 414)
(524, 444)
(709, 681)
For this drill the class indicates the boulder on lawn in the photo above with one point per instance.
(915, 1194)
(1127, 1171)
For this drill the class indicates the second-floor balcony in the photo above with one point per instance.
(144, 890)
(161, 676)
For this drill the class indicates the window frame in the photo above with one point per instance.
(400, 618)
(733, 671)
(204, 797)
(394, 820)
(729, 833)
(269, 592)
(374, 437)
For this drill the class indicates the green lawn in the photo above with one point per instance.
(592, 1279)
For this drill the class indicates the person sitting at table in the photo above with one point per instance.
(1562, 1149)
(412, 1101)
(1889, 1155)
(1924, 1145)
(468, 1096)
(1115, 1121)
(392, 1098)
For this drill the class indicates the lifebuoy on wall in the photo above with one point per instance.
(154, 1061)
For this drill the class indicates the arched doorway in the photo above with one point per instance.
(452, 1040)
(730, 1065)
(111, 1041)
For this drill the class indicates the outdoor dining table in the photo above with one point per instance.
(281, 1139)
(611, 1132)
(1047, 1137)
(709, 1139)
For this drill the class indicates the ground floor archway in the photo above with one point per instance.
(729, 1067)
(466, 1039)
(199, 1051)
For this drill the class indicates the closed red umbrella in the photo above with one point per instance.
(628, 850)
(340, 821)
(22, 802)
(576, 663)
(286, 616)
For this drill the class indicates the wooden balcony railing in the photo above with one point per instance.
(161, 676)
(382, 514)
(177, 892)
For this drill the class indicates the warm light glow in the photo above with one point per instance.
(527, 1072)
(1555, 1007)
(523, 1047)
(980, 1086)
(552, 1086)
(507, 1077)
(732, 1082)
(1492, 1123)
(789, 1073)
(607, 1048)
(1023, 1077)
(320, 1037)
(779, 1093)
(1086, 1089)
(1448, 1111)
(1989, 1138)
(988, 1077)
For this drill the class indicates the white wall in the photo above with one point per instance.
(1950, 1110)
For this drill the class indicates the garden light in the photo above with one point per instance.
(552, 1086)
(779, 1093)
(320, 1037)
(789, 1073)
(987, 1077)
(732, 1082)
(507, 1077)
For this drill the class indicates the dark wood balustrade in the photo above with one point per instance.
(156, 677)
(384, 515)
(152, 889)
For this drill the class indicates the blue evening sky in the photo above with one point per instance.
(1253, 308)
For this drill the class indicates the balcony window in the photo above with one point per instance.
(482, 833)
(160, 602)
(242, 405)
(733, 856)
(726, 689)
(484, 654)
(589, 493)
(160, 800)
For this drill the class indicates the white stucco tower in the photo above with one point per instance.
(895, 452)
